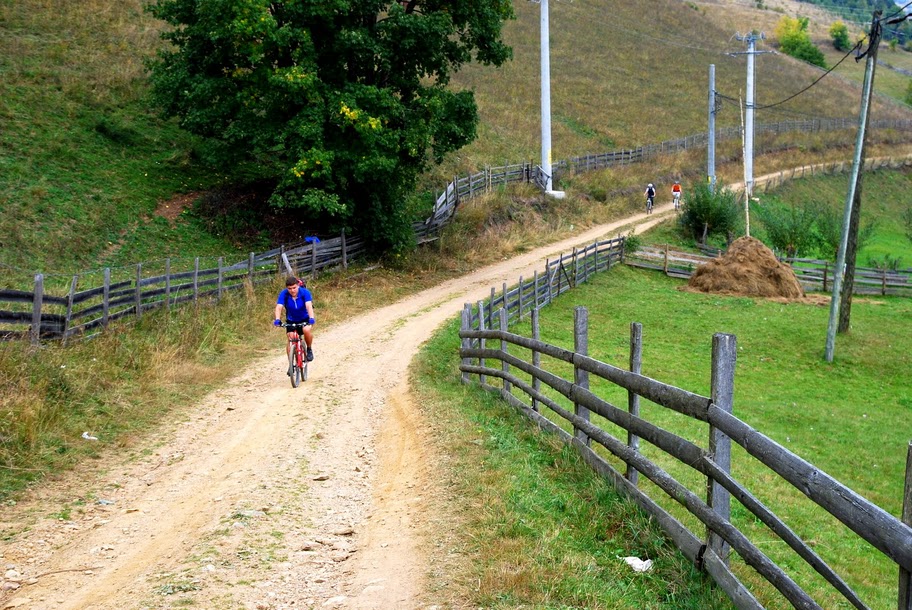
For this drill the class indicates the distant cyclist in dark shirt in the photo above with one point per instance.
(650, 197)
(297, 302)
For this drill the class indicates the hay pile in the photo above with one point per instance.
(749, 268)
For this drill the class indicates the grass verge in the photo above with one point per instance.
(848, 418)
(538, 528)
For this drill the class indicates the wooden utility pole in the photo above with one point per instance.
(845, 304)
(842, 294)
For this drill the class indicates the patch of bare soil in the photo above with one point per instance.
(261, 496)
(171, 209)
(748, 268)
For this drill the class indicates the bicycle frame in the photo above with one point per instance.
(297, 361)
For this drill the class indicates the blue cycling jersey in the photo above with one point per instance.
(295, 308)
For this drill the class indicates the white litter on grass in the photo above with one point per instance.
(86, 436)
(639, 565)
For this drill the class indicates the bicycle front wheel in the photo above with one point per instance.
(295, 369)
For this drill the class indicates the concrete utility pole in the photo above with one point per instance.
(546, 101)
(751, 40)
(842, 293)
(711, 143)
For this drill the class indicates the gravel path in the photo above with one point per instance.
(265, 497)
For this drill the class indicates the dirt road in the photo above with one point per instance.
(258, 499)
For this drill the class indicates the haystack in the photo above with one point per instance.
(749, 268)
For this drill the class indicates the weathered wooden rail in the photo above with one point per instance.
(493, 354)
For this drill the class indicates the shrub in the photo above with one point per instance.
(795, 41)
(840, 36)
(789, 228)
(708, 213)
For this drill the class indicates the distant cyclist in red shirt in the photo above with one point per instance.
(676, 194)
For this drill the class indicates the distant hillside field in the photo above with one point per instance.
(91, 176)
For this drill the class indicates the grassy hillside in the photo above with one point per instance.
(88, 168)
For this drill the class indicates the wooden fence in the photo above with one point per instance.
(95, 299)
(88, 303)
(465, 187)
(813, 275)
(493, 354)
(558, 276)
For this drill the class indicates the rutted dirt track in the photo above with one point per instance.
(261, 499)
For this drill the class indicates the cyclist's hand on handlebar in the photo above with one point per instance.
(277, 322)
(311, 321)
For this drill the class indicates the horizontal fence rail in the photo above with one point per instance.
(495, 354)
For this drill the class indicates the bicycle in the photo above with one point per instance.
(649, 204)
(297, 360)
(677, 201)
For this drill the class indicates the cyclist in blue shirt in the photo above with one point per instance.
(297, 302)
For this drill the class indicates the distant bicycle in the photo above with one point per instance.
(297, 359)
(650, 202)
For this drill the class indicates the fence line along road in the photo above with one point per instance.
(42, 315)
(494, 354)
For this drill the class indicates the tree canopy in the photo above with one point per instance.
(343, 103)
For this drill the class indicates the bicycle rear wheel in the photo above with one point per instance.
(304, 371)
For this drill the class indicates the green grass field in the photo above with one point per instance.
(848, 418)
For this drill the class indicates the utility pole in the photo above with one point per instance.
(845, 262)
(751, 40)
(711, 144)
(545, 44)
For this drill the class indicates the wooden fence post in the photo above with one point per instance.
(549, 296)
(536, 356)
(504, 365)
(466, 342)
(137, 295)
(724, 355)
(519, 296)
(105, 300)
(279, 260)
(883, 283)
(504, 288)
(344, 252)
(535, 288)
(665, 264)
(826, 265)
(581, 377)
(196, 270)
(37, 301)
(313, 259)
(595, 247)
(168, 283)
(69, 313)
(905, 577)
(491, 308)
(481, 342)
(575, 269)
(221, 273)
(633, 399)
(250, 266)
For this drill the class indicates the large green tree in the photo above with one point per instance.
(343, 103)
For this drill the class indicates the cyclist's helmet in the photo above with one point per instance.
(649, 185)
